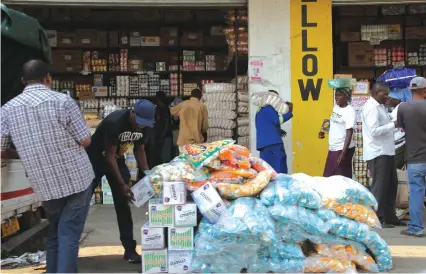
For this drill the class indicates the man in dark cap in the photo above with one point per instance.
(113, 137)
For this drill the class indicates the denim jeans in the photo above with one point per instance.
(416, 179)
(66, 217)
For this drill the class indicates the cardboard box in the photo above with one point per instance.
(100, 91)
(179, 261)
(67, 39)
(154, 261)
(86, 95)
(174, 193)
(107, 198)
(180, 238)
(415, 32)
(186, 215)
(192, 39)
(350, 36)
(52, 36)
(361, 54)
(86, 38)
(105, 185)
(142, 192)
(134, 65)
(153, 237)
(209, 202)
(160, 215)
(150, 41)
(169, 36)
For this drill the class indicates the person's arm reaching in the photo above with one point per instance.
(76, 125)
(140, 156)
(371, 119)
(111, 162)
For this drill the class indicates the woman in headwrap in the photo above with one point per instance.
(341, 145)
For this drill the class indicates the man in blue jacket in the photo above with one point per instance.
(269, 136)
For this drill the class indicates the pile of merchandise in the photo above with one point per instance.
(274, 223)
(243, 120)
(220, 99)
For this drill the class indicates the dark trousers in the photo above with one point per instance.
(333, 168)
(276, 157)
(384, 186)
(121, 204)
(66, 217)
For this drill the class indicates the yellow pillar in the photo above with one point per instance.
(311, 67)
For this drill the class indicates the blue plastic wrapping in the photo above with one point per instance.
(287, 191)
(286, 251)
(339, 188)
(402, 94)
(380, 250)
(349, 229)
(302, 217)
(326, 214)
(291, 233)
(398, 77)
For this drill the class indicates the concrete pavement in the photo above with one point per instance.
(101, 251)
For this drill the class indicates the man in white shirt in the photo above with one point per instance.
(379, 152)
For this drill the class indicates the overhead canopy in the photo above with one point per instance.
(132, 3)
(22, 39)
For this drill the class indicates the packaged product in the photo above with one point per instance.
(245, 173)
(349, 229)
(355, 212)
(152, 237)
(262, 99)
(209, 202)
(179, 261)
(339, 188)
(318, 264)
(326, 214)
(200, 154)
(362, 259)
(186, 215)
(291, 233)
(214, 164)
(380, 251)
(260, 165)
(142, 192)
(225, 177)
(287, 191)
(174, 193)
(180, 238)
(251, 188)
(286, 250)
(160, 215)
(154, 261)
(302, 217)
(233, 159)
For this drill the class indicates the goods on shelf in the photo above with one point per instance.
(258, 235)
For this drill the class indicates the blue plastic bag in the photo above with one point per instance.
(398, 77)
(380, 250)
(349, 229)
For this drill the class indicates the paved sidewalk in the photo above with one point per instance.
(101, 251)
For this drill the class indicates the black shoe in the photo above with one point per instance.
(399, 223)
(387, 225)
(132, 257)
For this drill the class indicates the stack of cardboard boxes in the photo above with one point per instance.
(168, 237)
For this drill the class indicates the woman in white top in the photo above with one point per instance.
(341, 144)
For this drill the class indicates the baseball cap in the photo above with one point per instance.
(145, 113)
(417, 83)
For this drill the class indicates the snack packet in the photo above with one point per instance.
(318, 264)
(355, 212)
(201, 154)
(259, 165)
(231, 158)
(245, 173)
(251, 188)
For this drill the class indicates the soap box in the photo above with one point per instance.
(206, 197)
(214, 213)
(174, 193)
(160, 215)
(180, 238)
(142, 192)
(179, 261)
(186, 215)
(153, 237)
(154, 261)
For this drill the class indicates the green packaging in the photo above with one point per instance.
(160, 215)
(154, 261)
(181, 238)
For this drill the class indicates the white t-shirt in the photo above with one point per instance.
(341, 119)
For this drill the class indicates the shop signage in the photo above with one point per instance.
(311, 66)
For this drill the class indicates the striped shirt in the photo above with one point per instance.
(46, 127)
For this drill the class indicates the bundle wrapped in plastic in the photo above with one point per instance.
(235, 156)
(262, 99)
(245, 173)
(259, 165)
(302, 217)
(287, 191)
(339, 188)
(380, 250)
(200, 154)
(348, 229)
(318, 264)
(180, 170)
(285, 250)
(251, 188)
(326, 214)
(291, 233)
(355, 212)
(349, 253)
(273, 262)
